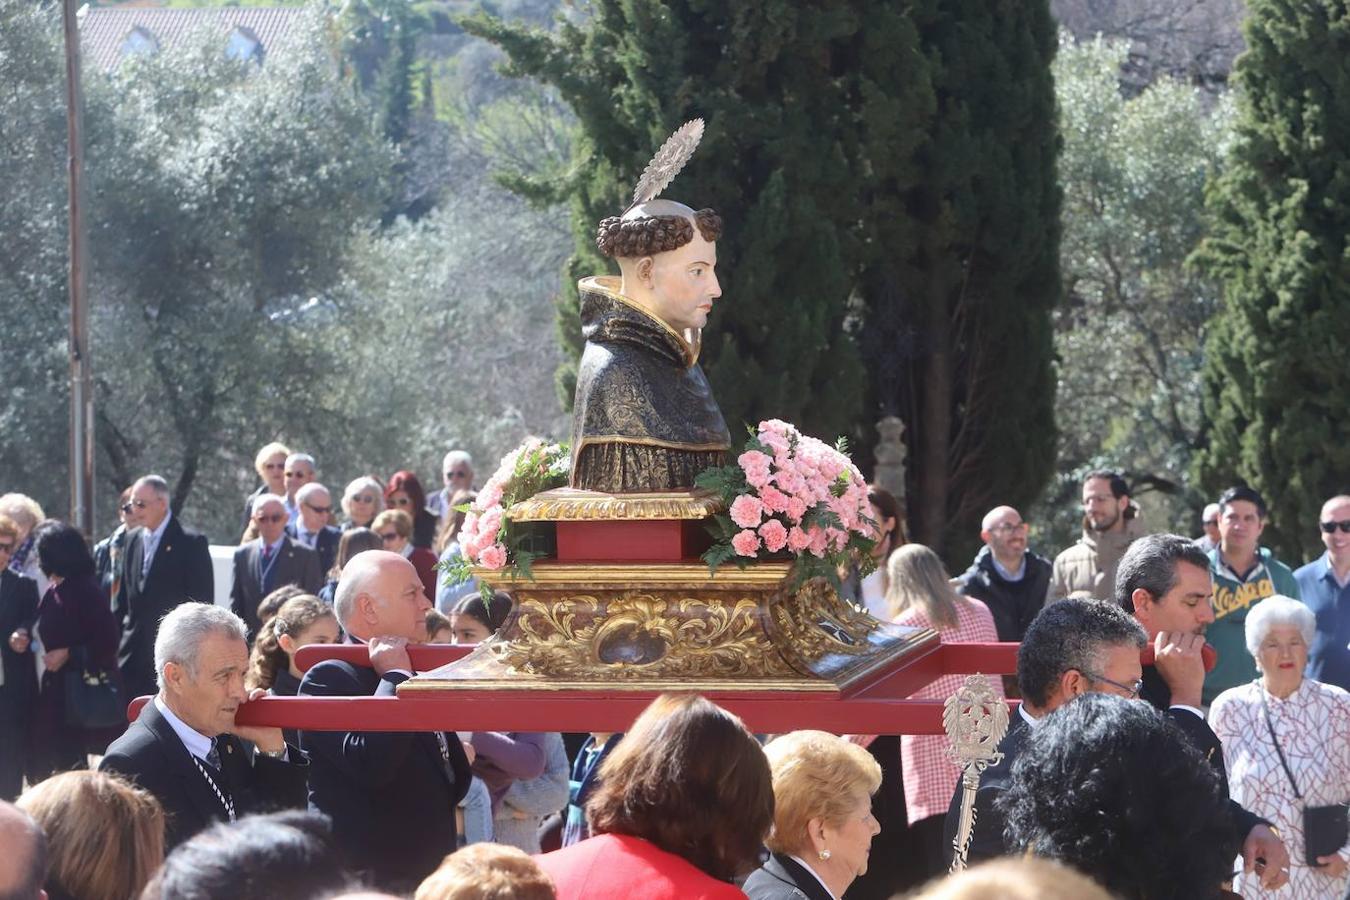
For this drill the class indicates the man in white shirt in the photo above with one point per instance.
(185, 747)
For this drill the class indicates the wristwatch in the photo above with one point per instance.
(274, 754)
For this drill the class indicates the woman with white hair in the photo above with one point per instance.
(362, 501)
(1286, 743)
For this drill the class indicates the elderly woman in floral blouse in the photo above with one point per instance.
(1309, 724)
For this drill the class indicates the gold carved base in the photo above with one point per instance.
(673, 626)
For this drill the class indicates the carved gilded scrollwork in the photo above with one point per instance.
(817, 623)
(640, 636)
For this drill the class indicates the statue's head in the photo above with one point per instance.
(667, 254)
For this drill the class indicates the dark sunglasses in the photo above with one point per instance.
(363, 498)
(1330, 527)
(273, 518)
(321, 510)
(456, 474)
(1214, 522)
(126, 507)
(390, 537)
(400, 501)
(274, 465)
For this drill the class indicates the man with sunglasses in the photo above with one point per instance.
(1324, 584)
(457, 474)
(164, 564)
(311, 529)
(271, 561)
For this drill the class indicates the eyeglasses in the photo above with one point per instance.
(389, 536)
(457, 474)
(1130, 689)
(1008, 527)
(126, 507)
(6, 548)
(363, 498)
(400, 501)
(139, 504)
(272, 518)
(274, 465)
(321, 510)
(297, 474)
(1215, 523)
(1330, 527)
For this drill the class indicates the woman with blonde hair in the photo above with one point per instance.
(822, 819)
(920, 595)
(25, 513)
(105, 837)
(270, 464)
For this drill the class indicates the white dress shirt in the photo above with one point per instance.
(150, 544)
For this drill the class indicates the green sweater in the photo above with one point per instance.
(1234, 597)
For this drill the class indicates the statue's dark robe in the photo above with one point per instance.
(644, 418)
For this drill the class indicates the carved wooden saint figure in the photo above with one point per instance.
(644, 418)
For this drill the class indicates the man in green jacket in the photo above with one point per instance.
(1245, 573)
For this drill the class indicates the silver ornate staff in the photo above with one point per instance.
(975, 719)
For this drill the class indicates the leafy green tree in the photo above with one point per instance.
(782, 172)
(1276, 380)
(963, 274)
(33, 305)
(1129, 335)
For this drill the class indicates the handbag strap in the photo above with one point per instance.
(1270, 726)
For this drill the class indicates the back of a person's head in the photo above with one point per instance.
(917, 579)
(690, 779)
(23, 864)
(1094, 786)
(1024, 878)
(487, 872)
(105, 836)
(285, 854)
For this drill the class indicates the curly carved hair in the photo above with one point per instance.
(627, 238)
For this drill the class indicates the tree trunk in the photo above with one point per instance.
(936, 419)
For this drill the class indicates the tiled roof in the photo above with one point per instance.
(104, 30)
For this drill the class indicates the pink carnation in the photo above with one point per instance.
(797, 540)
(774, 534)
(756, 467)
(796, 508)
(774, 500)
(746, 511)
(818, 541)
(493, 557)
(745, 543)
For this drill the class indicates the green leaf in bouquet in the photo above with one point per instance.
(717, 554)
(524, 560)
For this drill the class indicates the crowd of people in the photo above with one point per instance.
(1231, 771)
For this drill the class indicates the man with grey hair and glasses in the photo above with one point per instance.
(1072, 647)
(164, 564)
(457, 475)
(1164, 581)
(185, 747)
(300, 471)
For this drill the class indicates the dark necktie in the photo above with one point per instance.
(266, 570)
(213, 756)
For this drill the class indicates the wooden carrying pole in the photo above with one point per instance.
(81, 373)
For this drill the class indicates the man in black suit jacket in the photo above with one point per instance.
(1071, 648)
(270, 562)
(18, 677)
(164, 565)
(1164, 581)
(311, 529)
(391, 795)
(185, 747)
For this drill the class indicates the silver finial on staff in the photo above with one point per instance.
(975, 719)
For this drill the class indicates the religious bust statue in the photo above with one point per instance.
(644, 418)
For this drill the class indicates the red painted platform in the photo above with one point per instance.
(875, 707)
(657, 540)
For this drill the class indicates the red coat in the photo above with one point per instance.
(424, 561)
(620, 867)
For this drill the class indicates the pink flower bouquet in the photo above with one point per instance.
(790, 495)
(488, 538)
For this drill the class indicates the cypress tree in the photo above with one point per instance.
(1276, 375)
(781, 85)
(963, 271)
